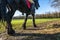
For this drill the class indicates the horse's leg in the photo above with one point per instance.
(6, 18)
(34, 20)
(24, 25)
(10, 30)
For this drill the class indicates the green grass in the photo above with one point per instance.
(17, 23)
(29, 21)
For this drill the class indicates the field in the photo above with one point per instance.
(19, 22)
(46, 28)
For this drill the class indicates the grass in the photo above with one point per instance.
(45, 34)
(17, 23)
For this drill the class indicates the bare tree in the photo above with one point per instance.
(55, 3)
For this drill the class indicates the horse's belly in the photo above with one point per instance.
(10, 1)
(17, 1)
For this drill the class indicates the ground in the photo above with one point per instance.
(49, 30)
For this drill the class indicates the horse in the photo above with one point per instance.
(22, 7)
(12, 7)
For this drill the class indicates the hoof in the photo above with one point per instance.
(24, 27)
(11, 32)
(35, 26)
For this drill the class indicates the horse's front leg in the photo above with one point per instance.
(24, 25)
(10, 30)
(34, 20)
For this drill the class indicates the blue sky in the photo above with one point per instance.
(45, 6)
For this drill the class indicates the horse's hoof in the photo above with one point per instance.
(11, 32)
(35, 26)
(24, 27)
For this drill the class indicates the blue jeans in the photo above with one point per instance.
(32, 7)
(36, 4)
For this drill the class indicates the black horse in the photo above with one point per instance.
(12, 6)
(22, 7)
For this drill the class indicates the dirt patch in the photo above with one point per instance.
(44, 31)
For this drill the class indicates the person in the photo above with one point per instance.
(28, 4)
(34, 3)
(31, 1)
(31, 5)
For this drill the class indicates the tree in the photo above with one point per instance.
(55, 3)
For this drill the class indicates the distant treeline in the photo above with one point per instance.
(46, 15)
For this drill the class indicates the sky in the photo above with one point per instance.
(45, 6)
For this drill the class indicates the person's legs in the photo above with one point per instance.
(32, 7)
(36, 4)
